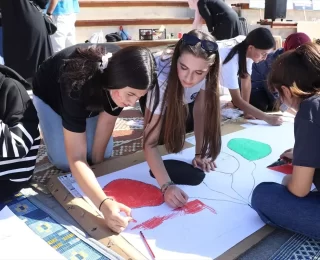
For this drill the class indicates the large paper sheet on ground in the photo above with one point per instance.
(17, 241)
(218, 214)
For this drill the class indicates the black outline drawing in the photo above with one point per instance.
(241, 200)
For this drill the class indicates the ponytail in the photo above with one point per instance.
(240, 49)
(81, 75)
(81, 67)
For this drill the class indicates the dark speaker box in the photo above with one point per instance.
(275, 9)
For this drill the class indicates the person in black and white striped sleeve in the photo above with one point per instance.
(19, 133)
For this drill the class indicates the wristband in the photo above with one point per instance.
(49, 14)
(197, 154)
(107, 198)
(165, 186)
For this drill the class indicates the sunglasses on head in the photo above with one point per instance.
(192, 40)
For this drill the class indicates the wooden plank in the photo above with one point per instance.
(148, 44)
(125, 3)
(124, 22)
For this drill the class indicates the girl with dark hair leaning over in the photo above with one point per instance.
(222, 21)
(295, 75)
(189, 100)
(79, 93)
(236, 62)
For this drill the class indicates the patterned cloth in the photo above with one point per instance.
(127, 137)
(298, 247)
(57, 236)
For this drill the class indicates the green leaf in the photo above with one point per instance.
(249, 149)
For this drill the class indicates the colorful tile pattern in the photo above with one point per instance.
(58, 237)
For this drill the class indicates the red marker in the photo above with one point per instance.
(146, 242)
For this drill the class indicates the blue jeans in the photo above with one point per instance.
(278, 207)
(52, 133)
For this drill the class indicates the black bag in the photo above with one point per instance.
(51, 28)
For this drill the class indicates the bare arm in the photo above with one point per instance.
(300, 182)
(151, 152)
(76, 148)
(173, 196)
(198, 20)
(246, 88)
(103, 133)
(52, 6)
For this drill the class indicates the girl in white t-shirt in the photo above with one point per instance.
(188, 80)
(236, 62)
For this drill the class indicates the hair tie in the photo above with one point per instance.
(104, 61)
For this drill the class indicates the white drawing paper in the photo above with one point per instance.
(17, 241)
(225, 195)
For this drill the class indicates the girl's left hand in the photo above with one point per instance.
(205, 164)
(248, 116)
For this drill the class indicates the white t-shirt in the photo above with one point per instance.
(163, 67)
(229, 71)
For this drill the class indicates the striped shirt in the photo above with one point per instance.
(18, 152)
(19, 131)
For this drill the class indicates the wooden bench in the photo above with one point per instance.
(125, 22)
(125, 3)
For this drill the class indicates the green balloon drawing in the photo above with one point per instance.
(249, 149)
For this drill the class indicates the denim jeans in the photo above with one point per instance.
(278, 207)
(52, 133)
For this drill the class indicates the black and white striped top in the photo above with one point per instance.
(19, 132)
(18, 152)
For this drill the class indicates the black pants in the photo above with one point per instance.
(189, 122)
(263, 100)
(9, 188)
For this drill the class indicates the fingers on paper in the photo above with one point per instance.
(212, 166)
(172, 203)
(117, 228)
(194, 163)
(209, 165)
(125, 209)
(185, 196)
(120, 221)
(180, 199)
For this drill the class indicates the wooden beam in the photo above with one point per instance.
(279, 24)
(148, 44)
(118, 22)
(126, 3)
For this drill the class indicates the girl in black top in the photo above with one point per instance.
(222, 21)
(295, 75)
(79, 93)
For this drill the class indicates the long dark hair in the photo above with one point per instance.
(298, 70)
(132, 66)
(176, 113)
(260, 38)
